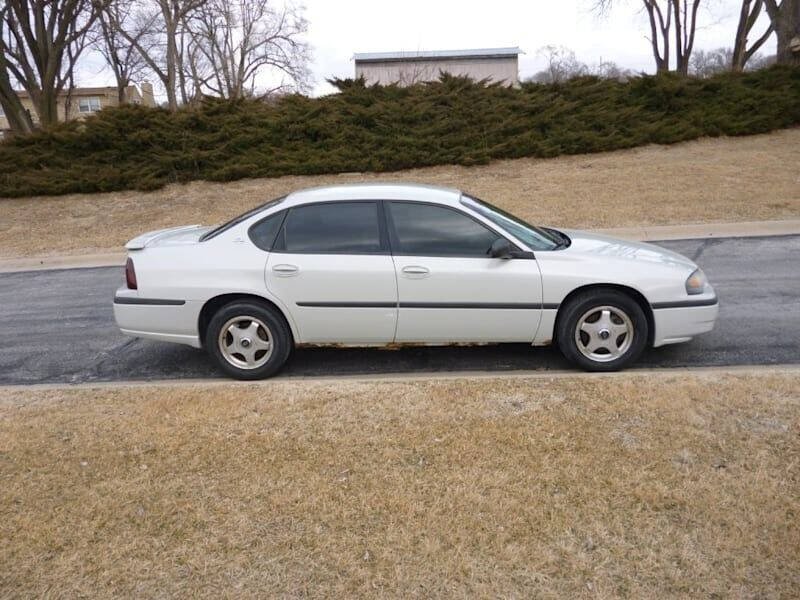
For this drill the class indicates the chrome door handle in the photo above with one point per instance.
(285, 270)
(416, 270)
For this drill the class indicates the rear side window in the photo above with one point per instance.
(236, 220)
(263, 233)
(331, 228)
(428, 230)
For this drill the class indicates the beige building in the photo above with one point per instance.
(85, 101)
(406, 68)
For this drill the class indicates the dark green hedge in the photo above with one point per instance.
(453, 121)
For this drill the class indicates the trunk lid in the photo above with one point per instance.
(172, 236)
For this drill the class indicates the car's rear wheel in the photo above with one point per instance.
(602, 330)
(248, 340)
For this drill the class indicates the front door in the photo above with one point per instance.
(331, 267)
(449, 289)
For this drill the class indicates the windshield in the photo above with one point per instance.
(243, 217)
(536, 238)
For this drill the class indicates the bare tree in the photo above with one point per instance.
(610, 70)
(667, 19)
(748, 16)
(705, 63)
(659, 32)
(561, 65)
(40, 45)
(120, 55)
(234, 41)
(160, 21)
(417, 71)
(16, 114)
(785, 19)
(685, 12)
(660, 20)
(760, 61)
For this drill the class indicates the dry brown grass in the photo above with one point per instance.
(639, 486)
(711, 180)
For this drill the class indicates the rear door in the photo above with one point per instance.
(449, 289)
(331, 267)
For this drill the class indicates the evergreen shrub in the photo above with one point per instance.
(387, 128)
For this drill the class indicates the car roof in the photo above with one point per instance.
(376, 191)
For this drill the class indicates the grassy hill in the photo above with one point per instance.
(710, 180)
(452, 121)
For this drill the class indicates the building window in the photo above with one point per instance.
(88, 105)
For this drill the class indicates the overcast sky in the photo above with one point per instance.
(339, 29)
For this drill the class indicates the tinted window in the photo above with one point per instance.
(332, 228)
(427, 230)
(538, 238)
(236, 220)
(263, 233)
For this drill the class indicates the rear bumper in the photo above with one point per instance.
(680, 324)
(168, 320)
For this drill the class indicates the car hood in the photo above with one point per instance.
(594, 245)
(173, 236)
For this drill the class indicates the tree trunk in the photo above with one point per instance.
(172, 99)
(740, 41)
(47, 107)
(685, 26)
(786, 22)
(18, 117)
(681, 64)
(659, 29)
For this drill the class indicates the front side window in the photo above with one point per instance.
(331, 228)
(429, 230)
(88, 105)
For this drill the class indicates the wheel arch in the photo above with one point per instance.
(212, 305)
(633, 293)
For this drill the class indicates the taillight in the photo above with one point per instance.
(130, 275)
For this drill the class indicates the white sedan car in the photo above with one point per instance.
(364, 265)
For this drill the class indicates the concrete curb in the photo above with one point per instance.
(705, 230)
(81, 261)
(742, 370)
(115, 258)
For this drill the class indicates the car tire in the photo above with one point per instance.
(602, 330)
(248, 340)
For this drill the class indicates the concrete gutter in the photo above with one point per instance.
(215, 382)
(116, 258)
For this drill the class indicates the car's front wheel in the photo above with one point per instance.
(248, 340)
(602, 330)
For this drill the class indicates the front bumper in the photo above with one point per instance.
(680, 324)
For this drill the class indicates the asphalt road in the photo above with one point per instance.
(58, 326)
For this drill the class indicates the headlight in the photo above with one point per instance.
(696, 282)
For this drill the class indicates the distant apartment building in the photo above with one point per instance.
(407, 68)
(85, 101)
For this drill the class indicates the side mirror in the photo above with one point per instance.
(501, 248)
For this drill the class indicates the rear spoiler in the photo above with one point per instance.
(140, 242)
